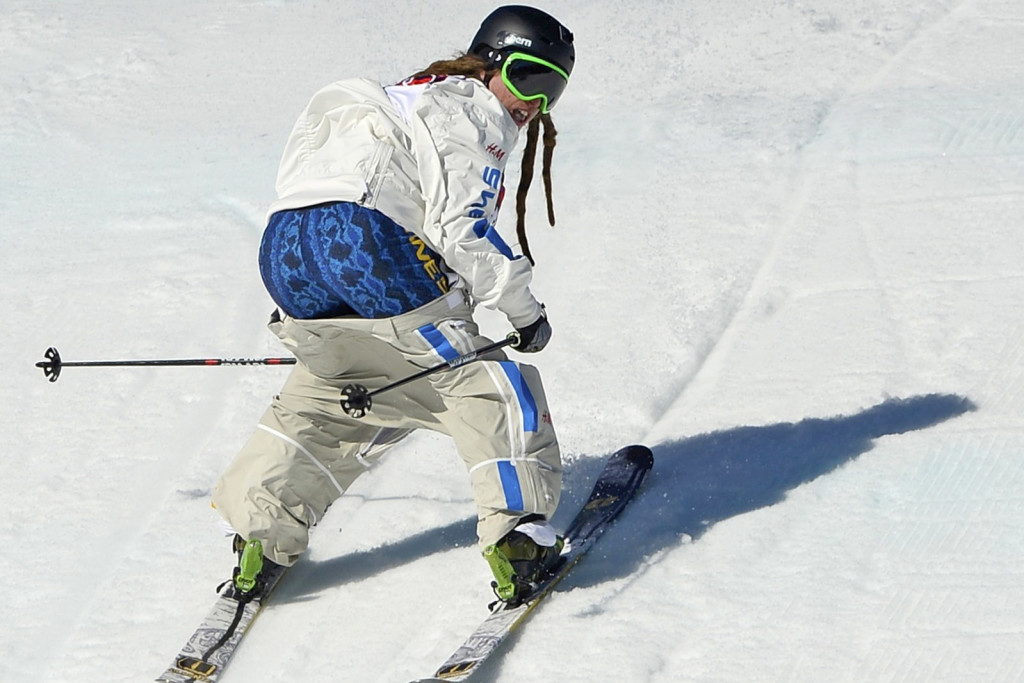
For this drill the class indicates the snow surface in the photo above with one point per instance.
(789, 257)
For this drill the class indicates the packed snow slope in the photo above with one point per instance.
(789, 256)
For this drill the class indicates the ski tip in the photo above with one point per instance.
(639, 455)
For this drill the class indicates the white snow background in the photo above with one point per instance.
(789, 256)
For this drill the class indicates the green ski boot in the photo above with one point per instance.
(519, 564)
(250, 564)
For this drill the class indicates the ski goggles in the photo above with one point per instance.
(532, 78)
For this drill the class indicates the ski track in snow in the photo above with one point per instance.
(804, 180)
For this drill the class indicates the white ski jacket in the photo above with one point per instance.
(430, 156)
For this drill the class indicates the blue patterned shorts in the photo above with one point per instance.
(341, 259)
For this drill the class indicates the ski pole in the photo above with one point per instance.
(53, 364)
(356, 400)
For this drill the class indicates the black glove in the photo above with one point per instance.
(534, 336)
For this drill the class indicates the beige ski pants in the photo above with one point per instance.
(306, 451)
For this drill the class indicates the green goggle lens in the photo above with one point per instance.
(531, 78)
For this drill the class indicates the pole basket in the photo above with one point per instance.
(51, 365)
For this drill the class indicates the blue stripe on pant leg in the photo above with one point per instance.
(527, 404)
(510, 484)
(528, 409)
(438, 342)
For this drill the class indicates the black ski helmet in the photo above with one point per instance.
(518, 28)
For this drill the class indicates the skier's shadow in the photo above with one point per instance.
(702, 480)
(310, 578)
(695, 483)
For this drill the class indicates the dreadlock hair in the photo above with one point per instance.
(472, 66)
(526, 176)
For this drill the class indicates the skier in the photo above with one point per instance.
(379, 246)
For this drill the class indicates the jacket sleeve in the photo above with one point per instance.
(462, 136)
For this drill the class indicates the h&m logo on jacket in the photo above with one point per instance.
(496, 151)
